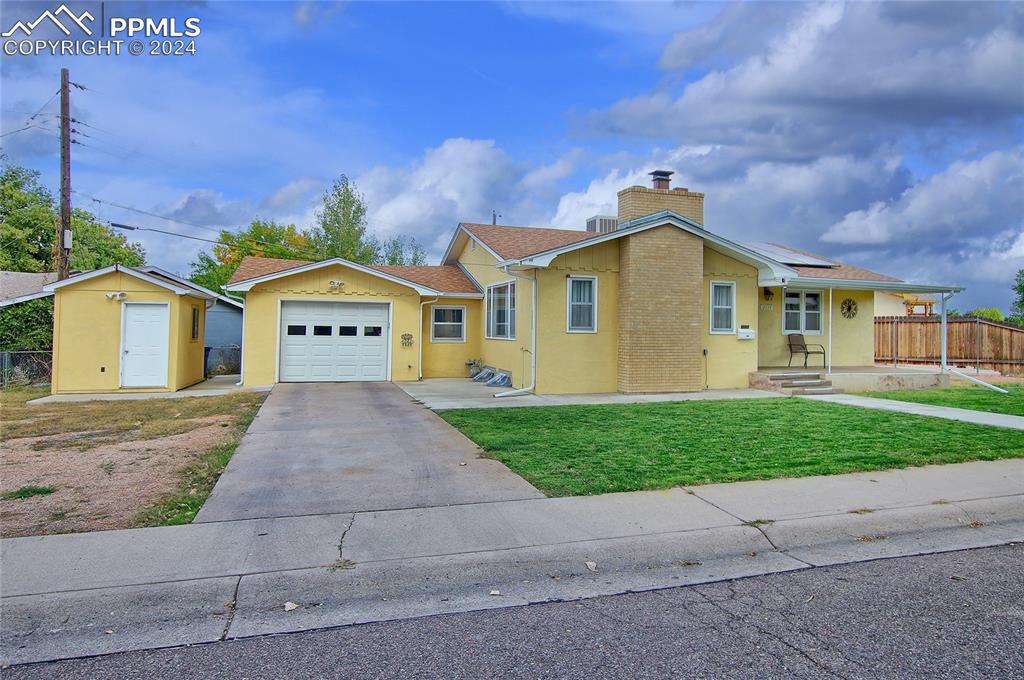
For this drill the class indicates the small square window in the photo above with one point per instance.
(347, 330)
(296, 330)
(449, 324)
(373, 331)
(322, 330)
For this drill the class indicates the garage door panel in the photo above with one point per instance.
(333, 341)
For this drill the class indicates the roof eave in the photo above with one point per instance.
(545, 258)
(25, 298)
(247, 284)
(141, 275)
(450, 258)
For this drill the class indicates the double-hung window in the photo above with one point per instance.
(581, 308)
(723, 307)
(501, 311)
(802, 312)
(448, 324)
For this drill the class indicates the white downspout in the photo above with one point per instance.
(533, 336)
(241, 352)
(422, 336)
(829, 331)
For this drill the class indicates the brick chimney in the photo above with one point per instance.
(639, 201)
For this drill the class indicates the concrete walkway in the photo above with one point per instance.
(949, 413)
(216, 386)
(451, 393)
(331, 448)
(120, 590)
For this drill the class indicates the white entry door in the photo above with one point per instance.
(144, 344)
(333, 341)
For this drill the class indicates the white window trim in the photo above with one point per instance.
(487, 310)
(446, 323)
(803, 312)
(711, 308)
(568, 304)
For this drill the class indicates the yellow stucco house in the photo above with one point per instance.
(655, 303)
(124, 329)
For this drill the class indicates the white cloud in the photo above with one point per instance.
(839, 79)
(967, 200)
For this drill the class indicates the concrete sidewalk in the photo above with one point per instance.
(103, 592)
(947, 412)
(441, 394)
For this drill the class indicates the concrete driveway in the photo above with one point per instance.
(350, 447)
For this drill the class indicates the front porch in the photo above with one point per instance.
(829, 380)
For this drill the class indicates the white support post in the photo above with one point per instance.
(942, 308)
(830, 331)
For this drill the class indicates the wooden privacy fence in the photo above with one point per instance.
(970, 342)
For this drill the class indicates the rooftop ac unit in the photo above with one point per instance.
(602, 223)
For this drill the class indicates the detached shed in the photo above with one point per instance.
(119, 329)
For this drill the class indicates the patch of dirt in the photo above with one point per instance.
(100, 487)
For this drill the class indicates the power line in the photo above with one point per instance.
(247, 249)
(198, 226)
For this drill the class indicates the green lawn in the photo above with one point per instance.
(578, 450)
(974, 398)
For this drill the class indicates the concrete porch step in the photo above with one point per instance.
(816, 390)
(795, 375)
(809, 382)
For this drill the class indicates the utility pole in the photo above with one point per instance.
(64, 226)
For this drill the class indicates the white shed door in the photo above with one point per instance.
(146, 336)
(333, 341)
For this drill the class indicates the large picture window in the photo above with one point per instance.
(501, 311)
(723, 307)
(448, 324)
(802, 312)
(581, 298)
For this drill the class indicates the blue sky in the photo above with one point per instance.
(887, 135)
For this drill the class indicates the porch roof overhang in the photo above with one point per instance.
(815, 283)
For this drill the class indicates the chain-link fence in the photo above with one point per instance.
(25, 368)
(224, 360)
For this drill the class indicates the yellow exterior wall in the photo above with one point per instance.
(190, 366)
(729, 360)
(853, 340)
(447, 359)
(508, 355)
(261, 328)
(87, 335)
(575, 363)
(889, 304)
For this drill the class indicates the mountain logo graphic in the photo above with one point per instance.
(79, 20)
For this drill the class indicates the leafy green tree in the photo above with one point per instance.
(28, 229)
(27, 226)
(27, 326)
(340, 229)
(1017, 312)
(990, 313)
(262, 238)
(402, 250)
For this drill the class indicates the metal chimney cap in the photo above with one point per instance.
(661, 174)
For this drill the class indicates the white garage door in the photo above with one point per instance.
(333, 341)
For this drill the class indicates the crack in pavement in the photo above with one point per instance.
(735, 621)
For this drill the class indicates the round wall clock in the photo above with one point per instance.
(848, 308)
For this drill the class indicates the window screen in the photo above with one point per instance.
(582, 304)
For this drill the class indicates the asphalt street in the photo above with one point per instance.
(950, 615)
